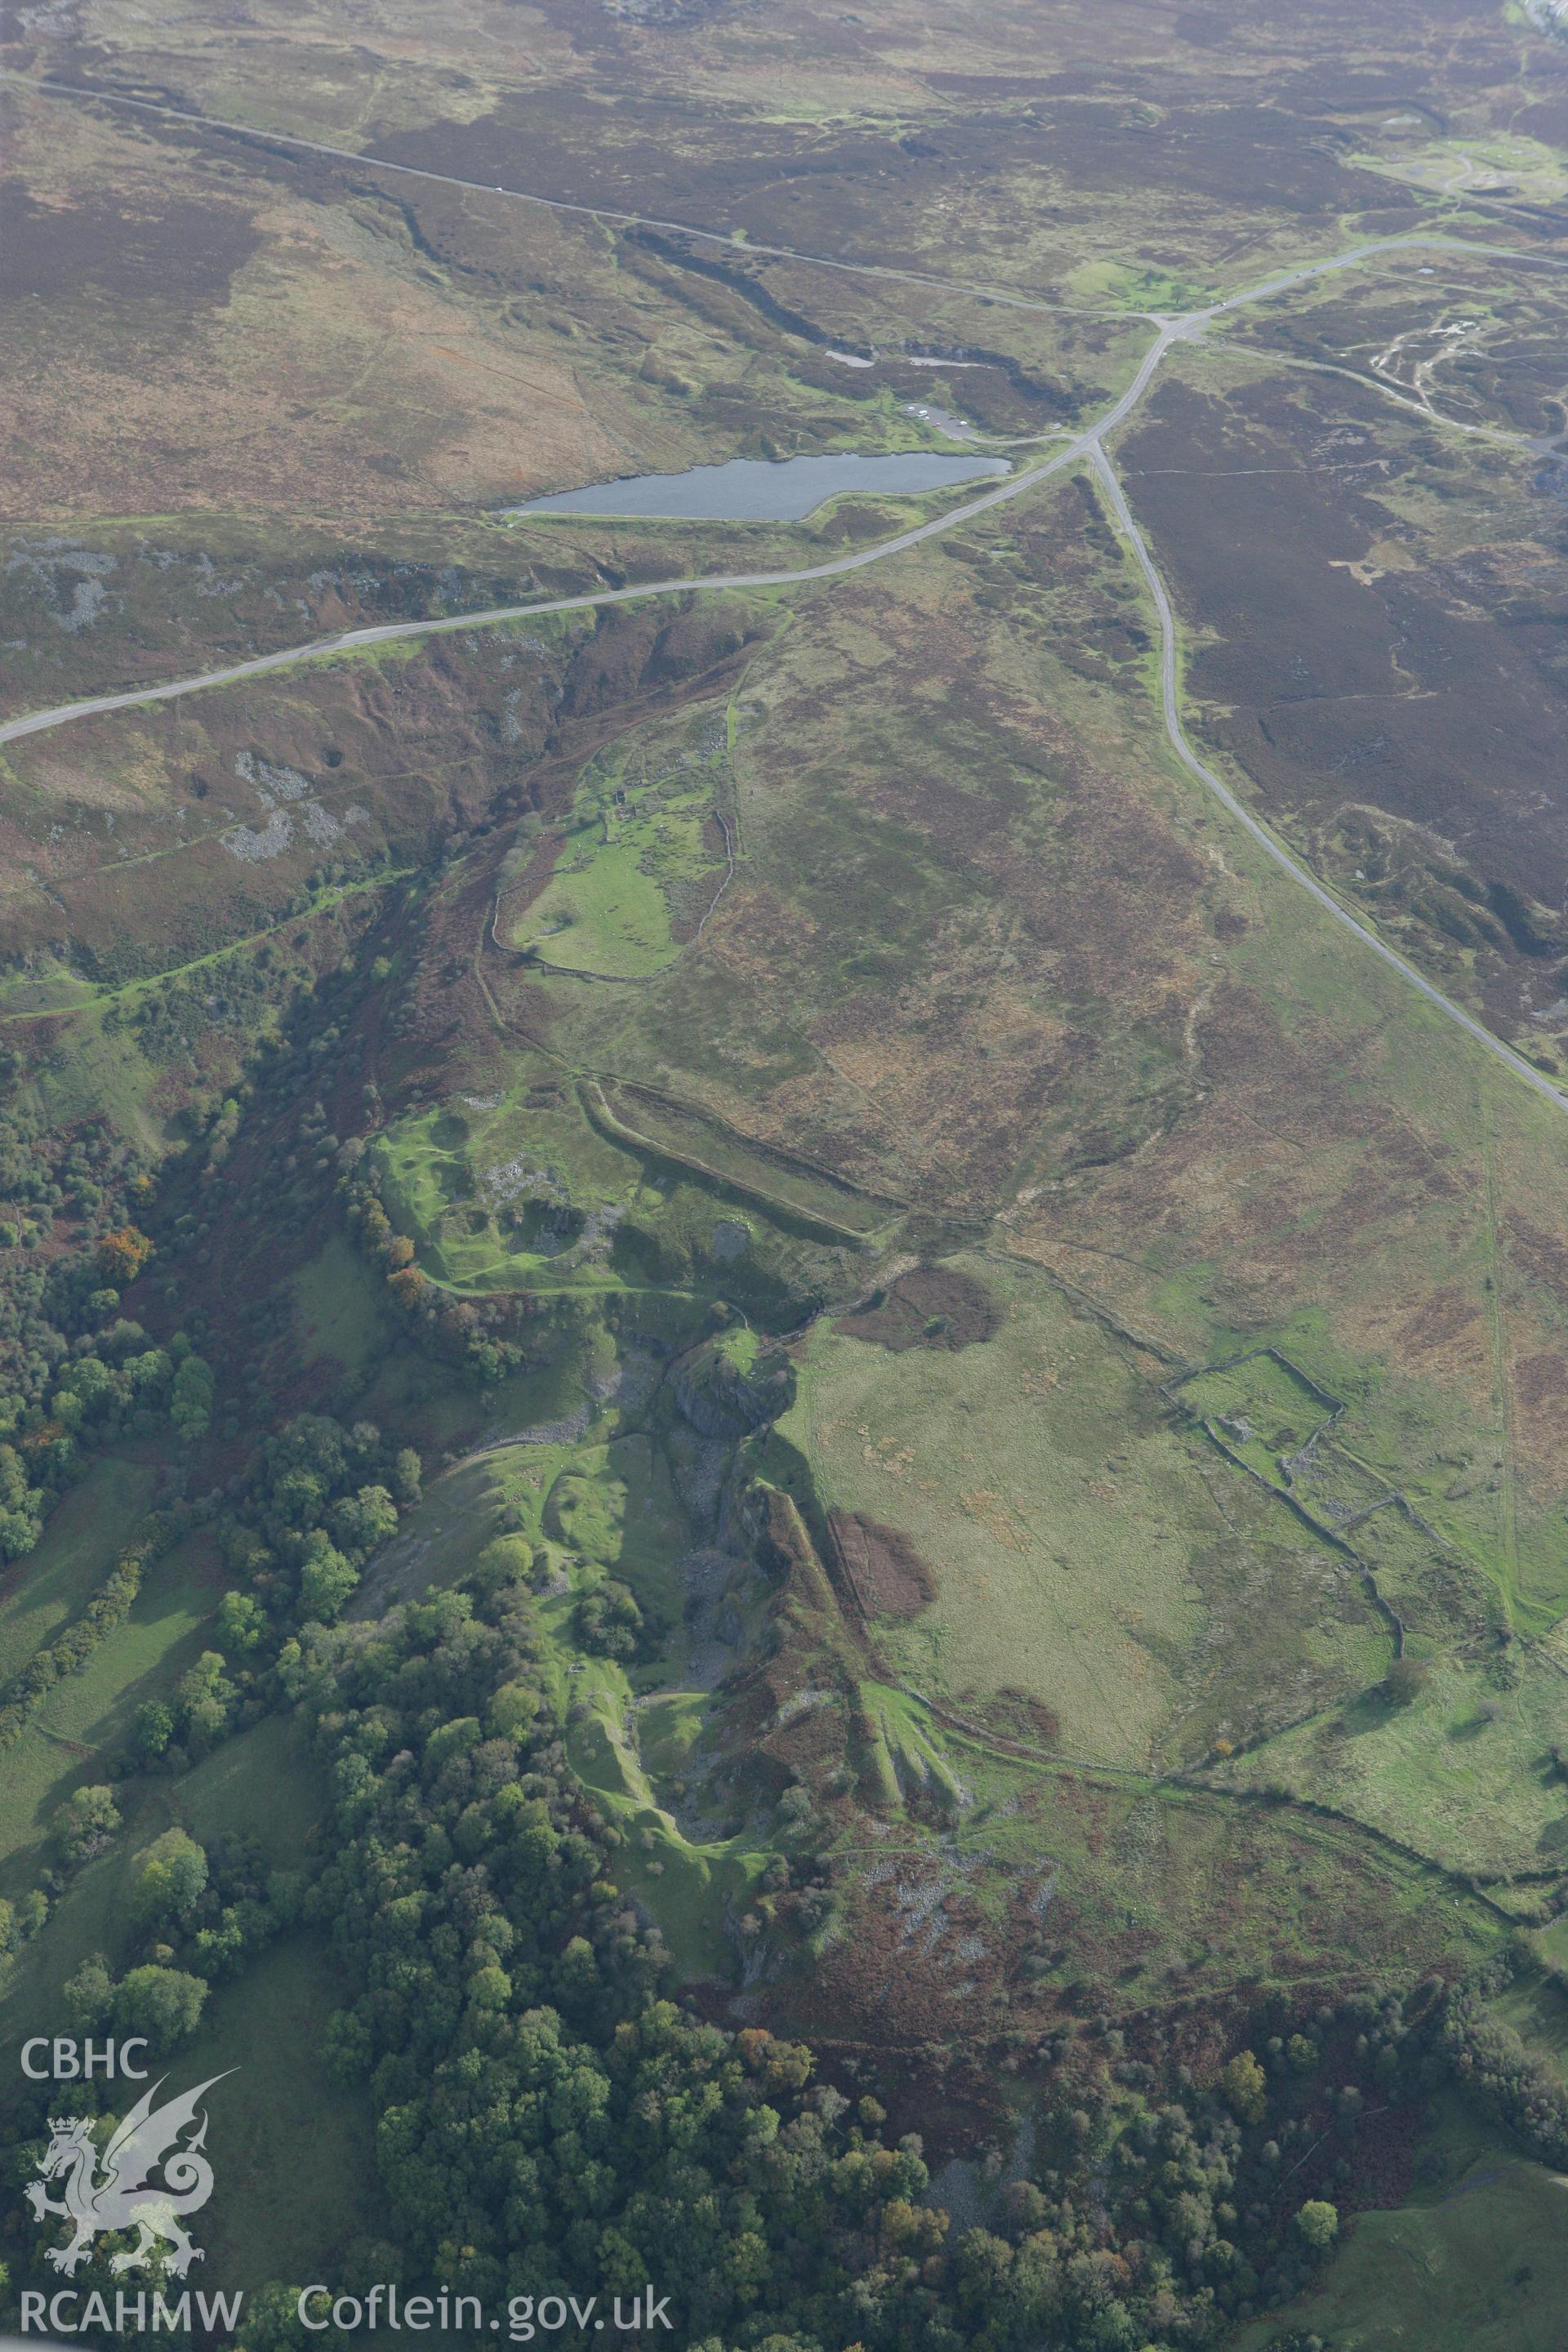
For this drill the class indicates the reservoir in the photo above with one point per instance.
(753, 489)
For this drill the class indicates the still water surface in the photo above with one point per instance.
(753, 489)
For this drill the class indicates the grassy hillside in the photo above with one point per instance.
(834, 1425)
(1475, 2266)
(1083, 1551)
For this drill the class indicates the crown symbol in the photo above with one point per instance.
(112, 2189)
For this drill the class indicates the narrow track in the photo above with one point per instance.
(735, 241)
(1171, 329)
(1186, 327)
(1265, 840)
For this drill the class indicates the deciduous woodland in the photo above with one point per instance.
(784, 1304)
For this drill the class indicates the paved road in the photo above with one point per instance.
(1169, 329)
(734, 242)
(1260, 832)
(1180, 328)
(384, 632)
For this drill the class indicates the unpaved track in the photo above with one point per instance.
(1183, 327)
(1260, 832)
(737, 243)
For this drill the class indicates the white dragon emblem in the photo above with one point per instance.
(120, 2197)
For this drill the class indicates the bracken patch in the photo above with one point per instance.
(887, 1574)
(934, 1307)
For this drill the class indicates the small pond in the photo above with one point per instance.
(755, 489)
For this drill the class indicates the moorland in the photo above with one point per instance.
(784, 1364)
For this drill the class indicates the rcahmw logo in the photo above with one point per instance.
(152, 2173)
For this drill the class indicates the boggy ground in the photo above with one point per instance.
(1371, 606)
(852, 1253)
(907, 140)
(1133, 1096)
(431, 350)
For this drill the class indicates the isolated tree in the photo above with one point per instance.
(490, 1988)
(407, 1285)
(781, 2066)
(204, 1698)
(512, 1710)
(85, 1823)
(89, 1994)
(1404, 1682)
(362, 1521)
(1245, 2087)
(165, 2004)
(21, 1508)
(169, 1877)
(191, 1399)
(1317, 2223)
(150, 1371)
(272, 2322)
(29, 1913)
(505, 1559)
(608, 1620)
(241, 1622)
(326, 1579)
(122, 1254)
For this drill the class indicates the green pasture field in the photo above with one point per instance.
(297, 2169)
(52, 1584)
(294, 2160)
(669, 1727)
(341, 1308)
(1464, 1773)
(88, 1715)
(636, 845)
(1400, 1552)
(96, 1075)
(689, 1888)
(1396, 1436)
(603, 913)
(261, 1785)
(1125, 286)
(43, 989)
(615, 1505)
(1441, 1445)
(1535, 2003)
(1480, 2266)
(1078, 1551)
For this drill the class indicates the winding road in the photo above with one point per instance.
(1171, 329)
(1184, 327)
(1260, 832)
